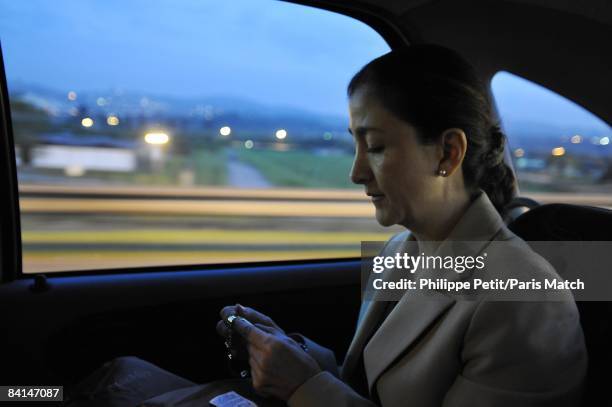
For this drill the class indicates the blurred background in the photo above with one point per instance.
(196, 132)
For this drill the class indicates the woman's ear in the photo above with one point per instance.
(454, 147)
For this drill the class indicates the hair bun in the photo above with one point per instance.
(495, 155)
(498, 180)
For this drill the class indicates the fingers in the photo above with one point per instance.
(252, 334)
(222, 329)
(267, 329)
(246, 329)
(247, 312)
(227, 311)
(250, 314)
(254, 316)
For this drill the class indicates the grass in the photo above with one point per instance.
(210, 167)
(300, 168)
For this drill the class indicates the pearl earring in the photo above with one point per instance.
(442, 173)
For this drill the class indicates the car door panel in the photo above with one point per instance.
(167, 317)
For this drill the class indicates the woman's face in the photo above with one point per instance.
(398, 173)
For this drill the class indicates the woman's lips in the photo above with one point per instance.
(377, 198)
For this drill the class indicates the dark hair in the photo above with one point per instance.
(433, 89)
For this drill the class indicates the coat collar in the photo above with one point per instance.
(414, 313)
(480, 222)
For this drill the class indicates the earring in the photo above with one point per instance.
(442, 173)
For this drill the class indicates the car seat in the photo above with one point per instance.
(563, 222)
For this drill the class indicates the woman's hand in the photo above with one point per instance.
(252, 315)
(278, 364)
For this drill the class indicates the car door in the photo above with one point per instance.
(86, 276)
(62, 325)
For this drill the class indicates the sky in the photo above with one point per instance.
(269, 51)
(265, 50)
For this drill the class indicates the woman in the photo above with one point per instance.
(430, 156)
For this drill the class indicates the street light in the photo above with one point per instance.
(87, 122)
(577, 139)
(281, 134)
(112, 120)
(225, 131)
(558, 151)
(156, 138)
(156, 142)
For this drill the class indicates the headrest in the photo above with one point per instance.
(564, 222)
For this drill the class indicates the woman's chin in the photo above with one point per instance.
(383, 218)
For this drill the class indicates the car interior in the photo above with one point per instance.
(59, 327)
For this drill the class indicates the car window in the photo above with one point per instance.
(153, 133)
(561, 152)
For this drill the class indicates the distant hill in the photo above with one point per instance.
(211, 108)
(249, 116)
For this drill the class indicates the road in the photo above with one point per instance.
(81, 228)
(241, 175)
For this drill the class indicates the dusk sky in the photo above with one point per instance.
(268, 51)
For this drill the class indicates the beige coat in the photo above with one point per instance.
(450, 352)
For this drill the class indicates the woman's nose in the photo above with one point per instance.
(360, 171)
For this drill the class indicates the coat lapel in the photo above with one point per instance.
(374, 311)
(415, 312)
(370, 320)
(411, 316)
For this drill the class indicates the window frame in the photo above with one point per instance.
(10, 226)
(508, 151)
(381, 21)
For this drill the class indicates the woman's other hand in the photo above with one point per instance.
(279, 365)
(252, 315)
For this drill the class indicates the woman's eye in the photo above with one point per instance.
(375, 149)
